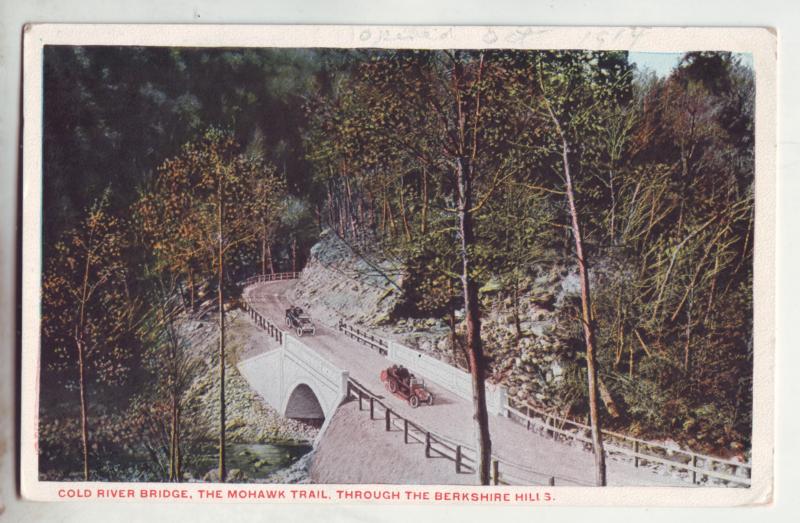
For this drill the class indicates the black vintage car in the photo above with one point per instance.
(299, 321)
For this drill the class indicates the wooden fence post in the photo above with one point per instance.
(694, 472)
(495, 472)
(552, 481)
(359, 401)
(405, 431)
(458, 459)
(636, 451)
(388, 419)
(371, 408)
(427, 444)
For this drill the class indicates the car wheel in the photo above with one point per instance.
(430, 400)
(393, 386)
(299, 332)
(413, 401)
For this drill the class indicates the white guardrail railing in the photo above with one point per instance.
(640, 452)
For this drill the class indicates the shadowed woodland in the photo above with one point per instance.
(171, 174)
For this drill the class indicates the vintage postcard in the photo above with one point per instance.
(435, 265)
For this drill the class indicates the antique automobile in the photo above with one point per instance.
(400, 381)
(299, 321)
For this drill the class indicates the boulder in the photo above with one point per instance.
(211, 476)
(236, 475)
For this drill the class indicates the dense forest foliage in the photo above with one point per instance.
(170, 174)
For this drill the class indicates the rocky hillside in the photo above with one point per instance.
(337, 283)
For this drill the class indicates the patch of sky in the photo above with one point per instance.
(662, 64)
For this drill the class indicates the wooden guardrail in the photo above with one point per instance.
(463, 457)
(639, 451)
(257, 318)
(262, 322)
(373, 342)
(261, 278)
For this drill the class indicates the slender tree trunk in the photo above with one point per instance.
(270, 264)
(174, 469)
(81, 346)
(384, 214)
(392, 225)
(84, 407)
(173, 440)
(424, 200)
(342, 222)
(630, 360)
(687, 354)
(588, 326)
(178, 461)
(362, 215)
(451, 313)
(294, 254)
(221, 303)
(191, 292)
(620, 332)
(613, 207)
(403, 214)
(370, 204)
(331, 214)
(349, 207)
(712, 291)
(263, 250)
(515, 304)
(476, 359)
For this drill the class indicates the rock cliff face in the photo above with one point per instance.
(338, 284)
(526, 354)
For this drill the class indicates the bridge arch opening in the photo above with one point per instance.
(303, 405)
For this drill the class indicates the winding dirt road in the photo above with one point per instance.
(535, 458)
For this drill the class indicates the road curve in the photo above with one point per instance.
(451, 415)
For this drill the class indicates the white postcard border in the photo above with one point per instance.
(761, 43)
